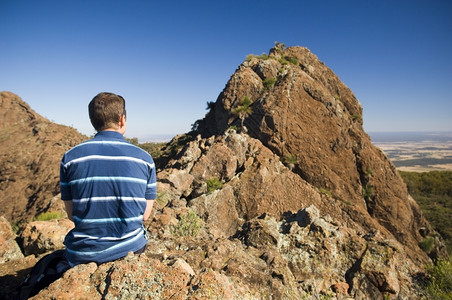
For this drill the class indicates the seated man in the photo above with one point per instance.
(108, 186)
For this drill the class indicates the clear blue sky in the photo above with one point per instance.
(169, 58)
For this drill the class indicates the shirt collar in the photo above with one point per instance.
(109, 134)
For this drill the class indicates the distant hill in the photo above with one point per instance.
(391, 137)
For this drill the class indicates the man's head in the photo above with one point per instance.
(107, 111)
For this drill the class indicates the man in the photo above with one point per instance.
(108, 186)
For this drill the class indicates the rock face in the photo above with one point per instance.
(302, 112)
(278, 193)
(31, 148)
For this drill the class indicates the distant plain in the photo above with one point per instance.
(416, 151)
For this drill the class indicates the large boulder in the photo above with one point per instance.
(39, 237)
(9, 249)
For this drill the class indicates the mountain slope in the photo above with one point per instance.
(31, 148)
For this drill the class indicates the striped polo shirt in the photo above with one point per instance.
(108, 181)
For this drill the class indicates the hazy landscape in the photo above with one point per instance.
(416, 151)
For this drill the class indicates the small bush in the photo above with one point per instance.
(249, 57)
(290, 161)
(50, 215)
(210, 105)
(213, 184)
(427, 244)
(283, 61)
(356, 117)
(189, 225)
(288, 59)
(263, 56)
(368, 191)
(440, 285)
(269, 83)
(244, 109)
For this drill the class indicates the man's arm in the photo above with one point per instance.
(147, 212)
(68, 206)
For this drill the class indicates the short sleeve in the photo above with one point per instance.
(151, 187)
(65, 188)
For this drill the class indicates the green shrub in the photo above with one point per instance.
(290, 161)
(427, 244)
(356, 117)
(213, 184)
(189, 225)
(269, 83)
(50, 215)
(249, 57)
(263, 56)
(440, 284)
(287, 59)
(368, 191)
(283, 61)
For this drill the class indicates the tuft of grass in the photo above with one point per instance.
(47, 216)
(325, 192)
(356, 117)
(213, 184)
(189, 225)
(290, 161)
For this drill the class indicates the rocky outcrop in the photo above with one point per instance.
(299, 109)
(287, 233)
(31, 148)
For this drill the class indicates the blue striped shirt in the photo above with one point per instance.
(108, 181)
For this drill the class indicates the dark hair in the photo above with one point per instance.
(106, 110)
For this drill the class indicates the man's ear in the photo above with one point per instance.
(123, 121)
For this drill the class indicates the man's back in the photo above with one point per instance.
(108, 181)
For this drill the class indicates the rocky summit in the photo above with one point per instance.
(277, 193)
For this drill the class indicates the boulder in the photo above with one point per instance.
(39, 237)
(9, 249)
